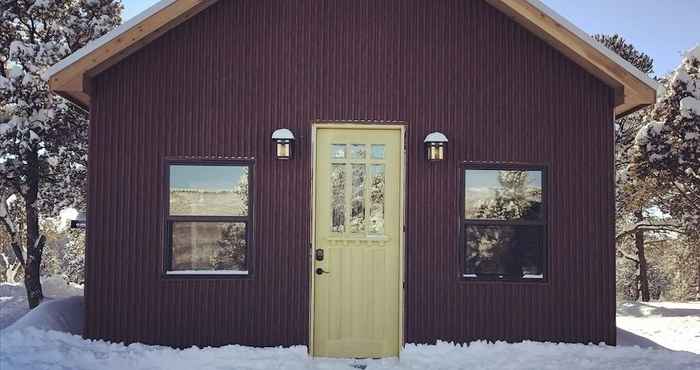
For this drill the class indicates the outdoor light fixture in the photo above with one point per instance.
(284, 140)
(435, 146)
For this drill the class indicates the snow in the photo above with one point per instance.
(652, 128)
(666, 325)
(65, 315)
(670, 325)
(13, 299)
(689, 106)
(37, 349)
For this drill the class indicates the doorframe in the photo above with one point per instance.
(362, 125)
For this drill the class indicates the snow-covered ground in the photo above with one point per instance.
(33, 349)
(656, 326)
(13, 297)
(669, 325)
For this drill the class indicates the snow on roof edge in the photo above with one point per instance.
(595, 44)
(107, 37)
(160, 5)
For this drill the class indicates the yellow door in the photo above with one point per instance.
(356, 268)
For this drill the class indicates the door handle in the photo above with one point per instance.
(320, 271)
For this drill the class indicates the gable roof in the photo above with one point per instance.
(633, 89)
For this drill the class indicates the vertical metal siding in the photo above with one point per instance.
(219, 84)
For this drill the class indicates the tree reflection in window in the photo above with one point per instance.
(338, 198)
(376, 199)
(504, 223)
(357, 203)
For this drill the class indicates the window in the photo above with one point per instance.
(357, 175)
(208, 218)
(504, 222)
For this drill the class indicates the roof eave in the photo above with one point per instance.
(70, 76)
(633, 88)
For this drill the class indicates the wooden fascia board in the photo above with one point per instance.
(631, 91)
(71, 78)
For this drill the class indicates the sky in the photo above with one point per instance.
(661, 28)
(214, 178)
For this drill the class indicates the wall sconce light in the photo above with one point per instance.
(284, 143)
(435, 146)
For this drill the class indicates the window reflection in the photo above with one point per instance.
(513, 251)
(338, 151)
(209, 246)
(337, 198)
(376, 199)
(208, 190)
(503, 194)
(378, 151)
(357, 204)
(358, 151)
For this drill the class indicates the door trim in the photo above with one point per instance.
(362, 125)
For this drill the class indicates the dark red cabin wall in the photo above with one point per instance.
(219, 84)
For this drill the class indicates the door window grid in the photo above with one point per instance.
(357, 175)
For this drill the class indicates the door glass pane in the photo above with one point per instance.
(503, 195)
(209, 246)
(378, 151)
(338, 151)
(357, 204)
(207, 190)
(338, 198)
(358, 151)
(376, 199)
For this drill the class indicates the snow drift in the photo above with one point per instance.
(64, 315)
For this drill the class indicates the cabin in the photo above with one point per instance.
(350, 175)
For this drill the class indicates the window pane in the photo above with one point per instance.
(338, 151)
(503, 195)
(508, 251)
(378, 151)
(208, 190)
(209, 246)
(376, 199)
(357, 205)
(358, 151)
(338, 198)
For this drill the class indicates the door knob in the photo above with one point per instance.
(320, 271)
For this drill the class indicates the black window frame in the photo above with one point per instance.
(168, 220)
(465, 222)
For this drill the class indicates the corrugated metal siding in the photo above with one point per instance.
(217, 86)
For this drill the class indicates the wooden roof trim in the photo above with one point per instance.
(70, 74)
(633, 88)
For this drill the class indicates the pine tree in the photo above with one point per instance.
(514, 199)
(668, 153)
(43, 138)
(668, 146)
(633, 195)
(231, 249)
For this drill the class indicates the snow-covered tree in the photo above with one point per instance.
(634, 196)
(668, 146)
(232, 248)
(668, 154)
(43, 138)
(514, 199)
(73, 257)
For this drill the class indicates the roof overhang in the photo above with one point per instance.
(633, 89)
(69, 77)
